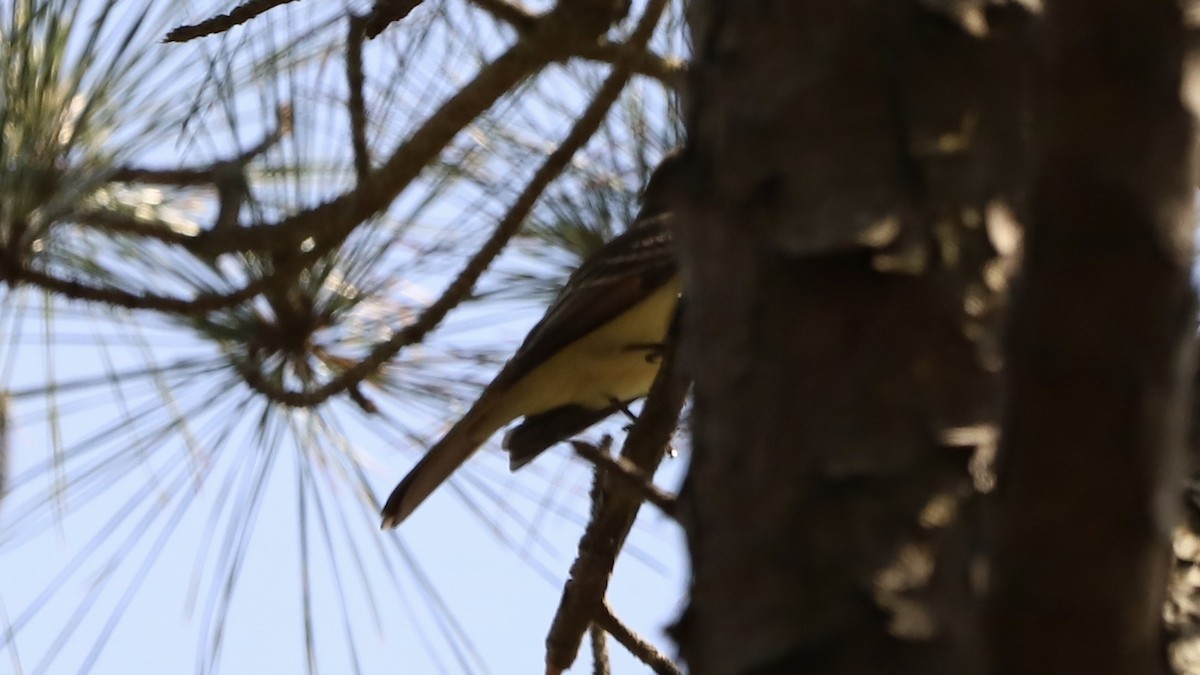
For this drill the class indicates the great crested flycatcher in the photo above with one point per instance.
(593, 352)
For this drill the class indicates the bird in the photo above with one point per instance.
(594, 351)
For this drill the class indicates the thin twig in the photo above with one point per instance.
(201, 303)
(223, 22)
(356, 105)
(385, 13)
(670, 72)
(360, 399)
(112, 222)
(629, 475)
(227, 177)
(640, 648)
(206, 175)
(600, 660)
(283, 128)
(181, 177)
(5, 446)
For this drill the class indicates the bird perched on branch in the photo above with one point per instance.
(595, 351)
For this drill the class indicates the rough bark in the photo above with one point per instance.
(849, 161)
(1098, 354)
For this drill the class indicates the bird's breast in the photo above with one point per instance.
(608, 363)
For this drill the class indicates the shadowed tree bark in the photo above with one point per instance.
(855, 173)
(1099, 351)
(854, 208)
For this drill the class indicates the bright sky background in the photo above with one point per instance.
(142, 605)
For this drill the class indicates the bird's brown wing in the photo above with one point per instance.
(621, 274)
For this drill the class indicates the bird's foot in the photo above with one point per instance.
(623, 406)
(654, 350)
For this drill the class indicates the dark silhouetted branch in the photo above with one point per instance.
(643, 650)
(223, 22)
(647, 443)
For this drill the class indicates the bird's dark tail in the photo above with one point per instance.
(435, 467)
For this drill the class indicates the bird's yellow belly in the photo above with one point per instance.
(605, 364)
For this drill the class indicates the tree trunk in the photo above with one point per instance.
(1099, 356)
(855, 171)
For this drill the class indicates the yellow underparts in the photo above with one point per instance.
(604, 365)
